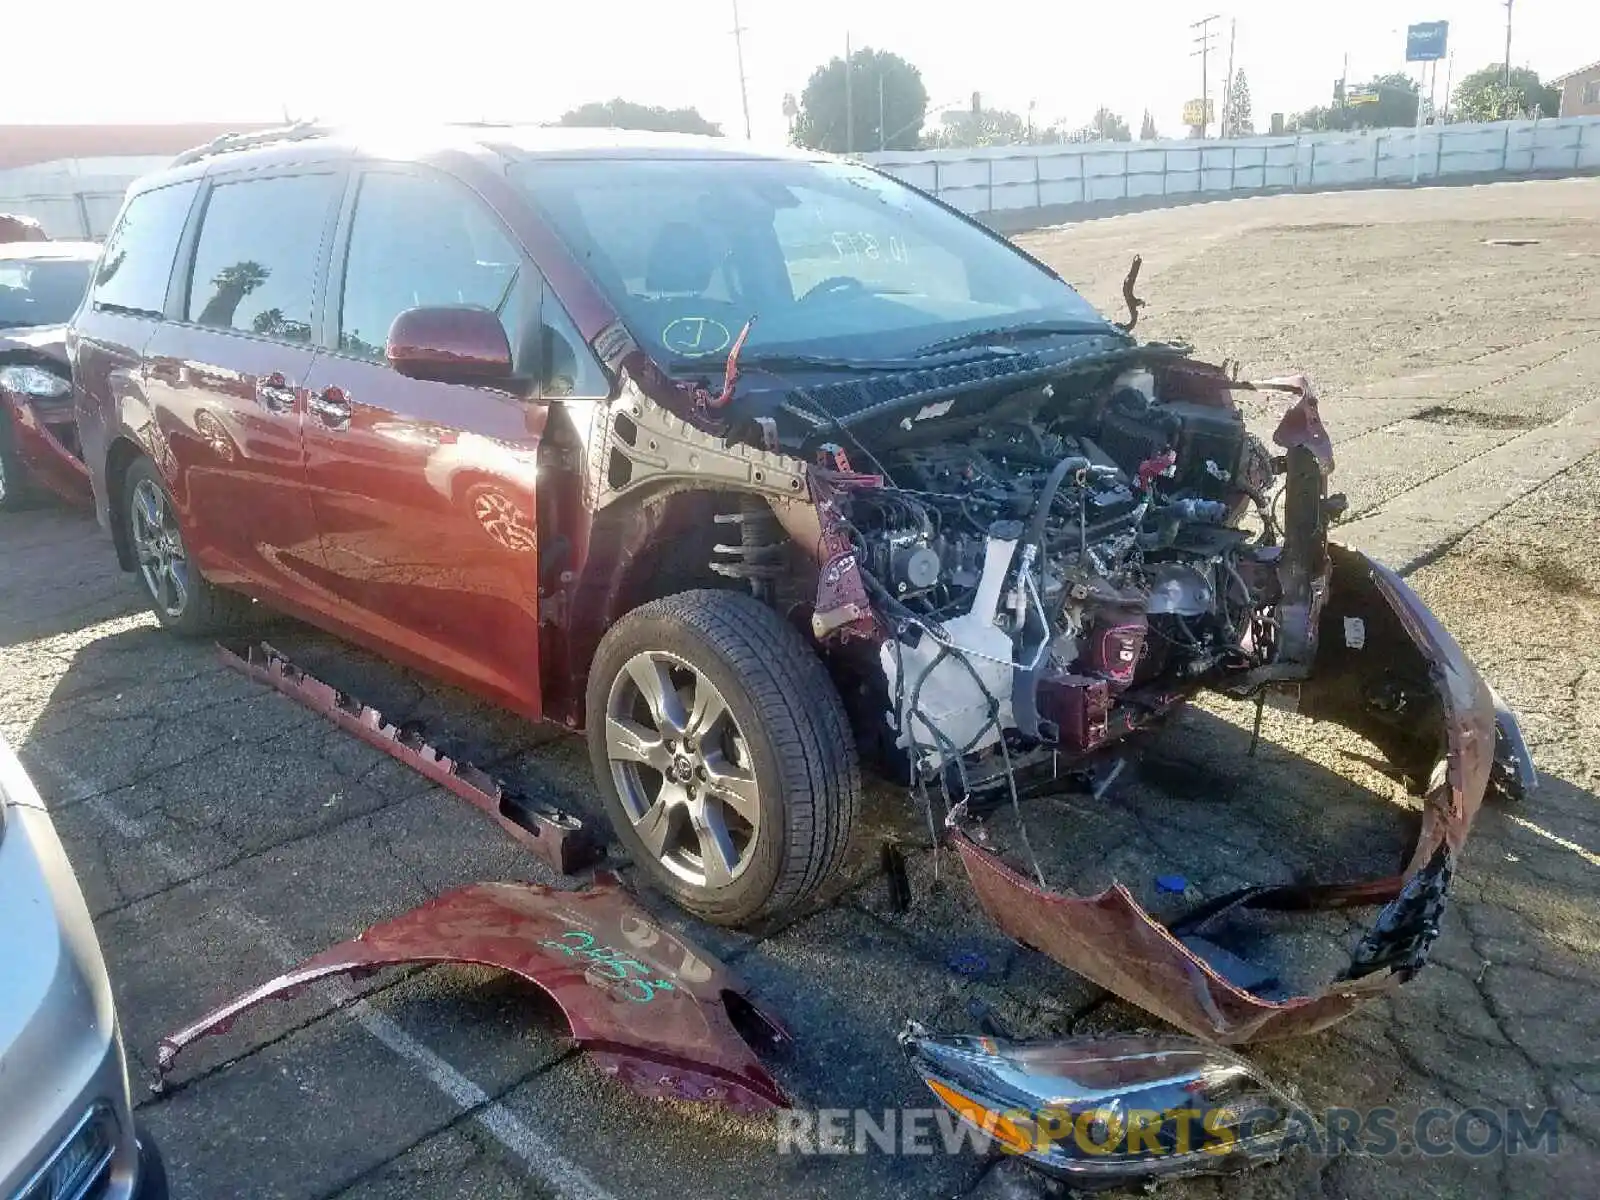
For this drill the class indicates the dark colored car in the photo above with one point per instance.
(41, 285)
(749, 465)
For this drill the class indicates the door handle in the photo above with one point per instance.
(332, 405)
(274, 393)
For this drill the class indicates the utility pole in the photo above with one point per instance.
(849, 101)
(1508, 46)
(738, 48)
(1227, 129)
(1449, 75)
(1204, 40)
(881, 130)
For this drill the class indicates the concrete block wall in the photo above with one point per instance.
(79, 197)
(1009, 180)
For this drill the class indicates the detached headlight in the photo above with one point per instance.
(1108, 1110)
(35, 382)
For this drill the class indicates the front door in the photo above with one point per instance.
(424, 493)
(226, 381)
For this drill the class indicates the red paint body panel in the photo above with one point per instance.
(229, 410)
(650, 1003)
(48, 463)
(425, 503)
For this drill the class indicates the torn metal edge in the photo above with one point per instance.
(1113, 941)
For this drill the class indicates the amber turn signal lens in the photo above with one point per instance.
(997, 1126)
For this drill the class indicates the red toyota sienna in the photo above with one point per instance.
(750, 465)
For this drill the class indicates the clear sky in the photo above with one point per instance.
(356, 60)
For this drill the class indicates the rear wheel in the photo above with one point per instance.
(180, 596)
(722, 754)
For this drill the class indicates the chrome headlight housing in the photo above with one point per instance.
(34, 382)
(1106, 1111)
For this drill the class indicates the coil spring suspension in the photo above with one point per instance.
(758, 557)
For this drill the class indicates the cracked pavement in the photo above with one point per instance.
(221, 831)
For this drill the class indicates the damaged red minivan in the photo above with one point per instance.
(754, 467)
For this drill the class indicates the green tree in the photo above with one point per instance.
(1106, 126)
(822, 122)
(1483, 96)
(1147, 129)
(1236, 120)
(989, 127)
(624, 114)
(1395, 107)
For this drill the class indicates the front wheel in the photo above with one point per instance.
(722, 754)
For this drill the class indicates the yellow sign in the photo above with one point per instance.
(1198, 112)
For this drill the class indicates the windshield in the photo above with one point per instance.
(41, 291)
(831, 259)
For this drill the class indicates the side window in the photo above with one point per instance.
(136, 264)
(418, 241)
(256, 260)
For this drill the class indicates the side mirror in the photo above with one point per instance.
(460, 344)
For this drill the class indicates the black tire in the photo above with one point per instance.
(207, 610)
(802, 751)
(152, 1181)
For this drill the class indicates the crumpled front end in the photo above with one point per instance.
(1113, 941)
(1356, 646)
(37, 420)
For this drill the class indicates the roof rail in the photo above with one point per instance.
(298, 132)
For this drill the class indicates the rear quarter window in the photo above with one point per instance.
(136, 265)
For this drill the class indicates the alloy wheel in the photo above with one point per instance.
(158, 546)
(683, 769)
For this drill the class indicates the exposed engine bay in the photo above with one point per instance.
(1045, 564)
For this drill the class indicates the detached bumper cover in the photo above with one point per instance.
(1410, 690)
(652, 1008)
